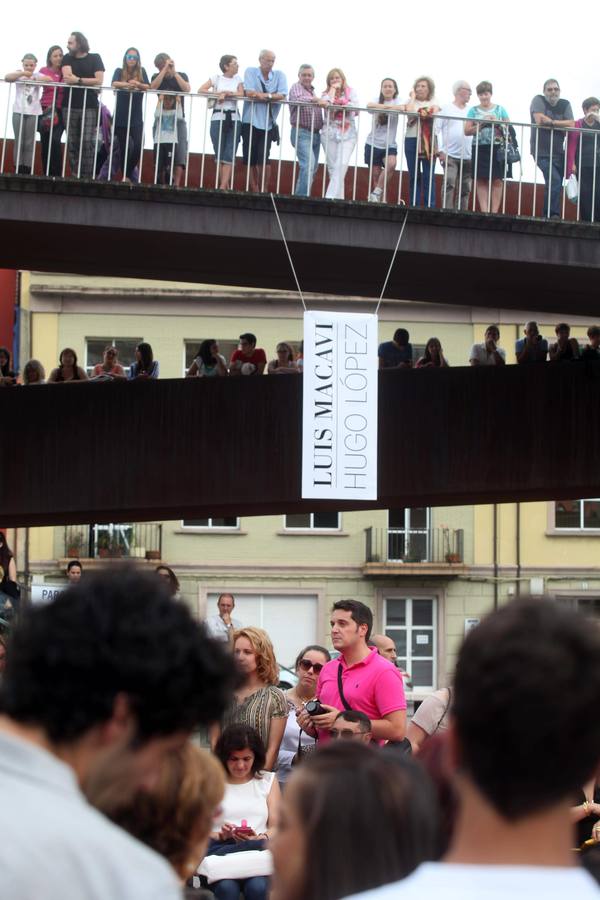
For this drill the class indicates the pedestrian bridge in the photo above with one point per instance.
(338, 247)
(446, 436)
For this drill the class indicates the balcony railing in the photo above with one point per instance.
(139, 540)
(79, 139)
(431, 545)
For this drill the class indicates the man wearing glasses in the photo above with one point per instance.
(352, 725)
(553, 114)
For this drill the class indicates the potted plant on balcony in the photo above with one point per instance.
(453, 558)
(75, 544)
(103, 545)
(115, 547)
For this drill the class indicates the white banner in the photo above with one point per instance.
(339, 420)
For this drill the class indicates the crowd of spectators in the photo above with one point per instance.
(311, 793)
(474, 144)
(248, 359)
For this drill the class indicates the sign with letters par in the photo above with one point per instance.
(46, 593)
(339, 420)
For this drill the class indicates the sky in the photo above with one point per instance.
(515, 50)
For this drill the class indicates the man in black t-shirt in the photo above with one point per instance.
(548, 142)
(80, 68)
(169, 79)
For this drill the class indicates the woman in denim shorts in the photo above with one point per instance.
(225, 122)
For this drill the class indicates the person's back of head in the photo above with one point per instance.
(115, 635)
(175, 818)
(525, 701)
(381, 805)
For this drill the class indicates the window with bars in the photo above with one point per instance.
(95, 347)
(312, 521)
(212, 522)
(577, 515)
(411, 622)
(409, 534)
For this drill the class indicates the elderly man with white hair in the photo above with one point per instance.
(454, 148)
(265, 88)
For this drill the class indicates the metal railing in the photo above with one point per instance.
(138, 540)
(418, 545)
(502, 167)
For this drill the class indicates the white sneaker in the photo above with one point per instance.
(375, 196)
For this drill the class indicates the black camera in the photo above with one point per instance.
(314, 708)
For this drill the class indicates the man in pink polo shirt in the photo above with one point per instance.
(369, 683)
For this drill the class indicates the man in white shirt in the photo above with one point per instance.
(524, 736)
(488, 353)
(222, 626)
(99, 686)
(454, 148)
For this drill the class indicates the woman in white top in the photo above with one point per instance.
(250, 808)
(309, 664)
(419, 142)
(225, 123)
(27, 107)
(208, 362)
(381, 151)
(338, 136)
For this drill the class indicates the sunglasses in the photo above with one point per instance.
(306, 665)
(132, 56)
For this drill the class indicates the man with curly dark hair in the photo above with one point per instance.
(99, 686)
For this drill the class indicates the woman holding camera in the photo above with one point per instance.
(257, 702)
(250, 809)
(297, 742)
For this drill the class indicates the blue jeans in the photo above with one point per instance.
(225, 135)
(421, 168)
(552, 170)
(307, 150)
(255, 888)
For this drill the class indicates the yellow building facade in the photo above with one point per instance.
(428, 574)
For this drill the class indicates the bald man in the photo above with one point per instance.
(385, 647)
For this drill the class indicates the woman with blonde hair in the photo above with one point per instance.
(257, 702)
(284, 364)
(177, 816)
(338, 136)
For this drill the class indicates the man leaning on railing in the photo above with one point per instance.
(553, 114)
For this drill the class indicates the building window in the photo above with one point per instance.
(94, 351)
(411, 622)
(589, 606)
(313, 521)
(226, 348)
(409, 534)
(577, 515)
(212, 522)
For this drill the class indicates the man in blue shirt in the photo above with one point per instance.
(265, 87)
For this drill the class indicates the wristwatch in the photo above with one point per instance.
(80, 81)
(270, 96)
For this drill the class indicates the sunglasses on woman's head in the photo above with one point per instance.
(306, 665)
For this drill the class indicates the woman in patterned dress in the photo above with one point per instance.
(257, 702)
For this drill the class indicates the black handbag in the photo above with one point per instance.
(506, 152)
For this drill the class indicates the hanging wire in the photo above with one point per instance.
(287, 250)
(389, 271)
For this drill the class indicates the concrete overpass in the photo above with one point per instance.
(339, 248)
